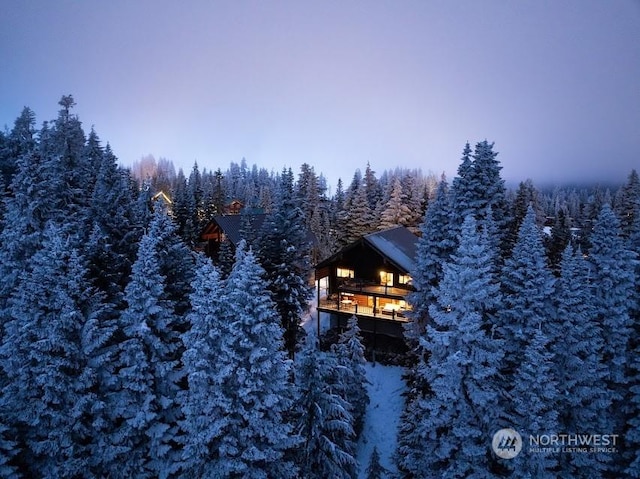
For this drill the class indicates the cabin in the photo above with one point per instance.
(234, 228)
(371, 279)
(230, 228)
(234, 207)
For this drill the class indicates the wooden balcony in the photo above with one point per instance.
(372, 288)
(388, 312)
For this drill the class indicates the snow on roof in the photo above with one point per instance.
(396, 244)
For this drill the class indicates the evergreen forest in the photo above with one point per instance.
(126, 352)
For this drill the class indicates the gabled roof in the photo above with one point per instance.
(398, 245)
(232, 225)
(162, 196)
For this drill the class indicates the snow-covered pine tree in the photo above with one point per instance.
(344, 203)
(111, 249)
(68, 170)
(284, 253)
(203, 346)
(627, 204)
(349, 352)
(218, 193)
(451, 423)
(613, 283)
(375, 470)
(590, 212)
(307, 192)
(528, 325)
(250, 195)
(266, 200)
(225, 258)
(526, 196)
(357, 217)
(325, 423)
(578, 364)
(197, 197)
(407, 453)
(372, 186)
(252, 394)
(145, 375)
(249, 231)
(165, 348)
(183, 207)
(559, 240)
(164, 175)
(27, 209)
(92, 154)
(435, 245)
(479, 190)
(310, 194)
(417, 196)
(7, 166)
(396, 212)
(533, 402)
(339, 197)
(462, 192)
(632, 432)
(528, 286)
(489, 185)
(48, 399)
(131, 405)
(8, 450)
(633, 423)
(144, 203)
(19, 141)
(208, 195)
(322, 227)
(176, 262)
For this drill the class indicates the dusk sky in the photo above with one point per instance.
(336, 84)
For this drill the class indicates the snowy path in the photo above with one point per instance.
(383, 414)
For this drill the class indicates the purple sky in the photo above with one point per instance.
(337, 84)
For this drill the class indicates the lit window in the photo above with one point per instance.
(386, 278)
(344, 273)
(404, 279)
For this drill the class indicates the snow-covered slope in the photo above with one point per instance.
(383, 414)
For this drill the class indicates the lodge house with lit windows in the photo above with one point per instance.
(371, 279)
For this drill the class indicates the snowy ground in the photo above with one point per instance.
(385, 406)
(383, 414)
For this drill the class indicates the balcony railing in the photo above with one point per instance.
(389, 312)
(372, 287)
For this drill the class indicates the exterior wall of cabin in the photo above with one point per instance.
(390, 328)
(353, 284)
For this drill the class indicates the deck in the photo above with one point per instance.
(358, 286)
(388, 313)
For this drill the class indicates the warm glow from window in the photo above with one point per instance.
(344, 273)
(386, 278)
(404, 279)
